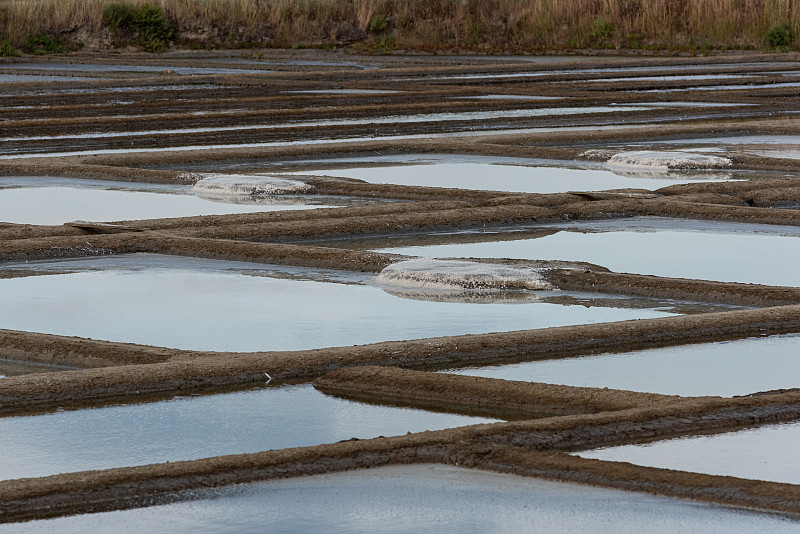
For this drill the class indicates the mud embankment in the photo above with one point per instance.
(456, 392)
(195, 371)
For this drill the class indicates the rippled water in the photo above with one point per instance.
(192, 427)
(419, 498)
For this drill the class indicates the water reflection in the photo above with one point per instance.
(763, 453)
(418, 498)
(725, 368)
(194, 427)
(726, 252)
(180, 306)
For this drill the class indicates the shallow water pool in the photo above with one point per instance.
(768, 146)
(192, 427)
(419, 498)
(209, 305)
(111, 69)
(763, 453)
(725, 369)
(520, 178)
(55, 201)
(726, 252)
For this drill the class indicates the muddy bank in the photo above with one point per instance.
(301, 216)
(190, 371)
(80, 352)
(567, 143)
(479, 446)
(723, 490)
(591, 280)
(456, 392)
(504, 212)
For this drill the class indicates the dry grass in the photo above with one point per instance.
(484, 25)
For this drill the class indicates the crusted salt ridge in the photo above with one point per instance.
(656, 173)
(458, 274)
(666, 160)
(247, 185)
(465, 296)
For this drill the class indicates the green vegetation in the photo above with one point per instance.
(602, 32)
(377, 23)
(146, 21)
(6, 49)
(780, 36)
(486, 26)
(43, 44)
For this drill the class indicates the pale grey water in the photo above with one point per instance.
(419, 498)
(580, 70)
(778, 85)
(344, 92)
(727, 252)
(111, 68)
(192, 427)
(55, 201)
(725, 368)
(510, 177)
(769, 146)
(763, 453)
(670, 78)
(5, 78)
(207, 305)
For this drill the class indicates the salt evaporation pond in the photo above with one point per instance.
(418, 498)
(226, 306)
(51, 201)
(110, 69)
(514, 177)
(193, 427)
(768, 146)
(763, 453)
(49, 152)
(726, 252)
(5, 78)
(724, 369)
(417, 118)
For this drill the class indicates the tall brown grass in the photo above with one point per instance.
(482, 25)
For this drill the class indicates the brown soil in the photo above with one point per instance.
(457, 392)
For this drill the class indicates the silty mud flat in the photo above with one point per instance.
(259, 122)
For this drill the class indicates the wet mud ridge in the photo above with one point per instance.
(707, 155)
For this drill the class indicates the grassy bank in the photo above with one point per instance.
(489, 26)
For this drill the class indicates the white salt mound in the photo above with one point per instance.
(666, 160)
(457, 274)
(247, 185)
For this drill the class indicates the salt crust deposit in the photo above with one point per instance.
(247, 185)
(457, 274)
(666, 160)
(669, 174)
(465, 296)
